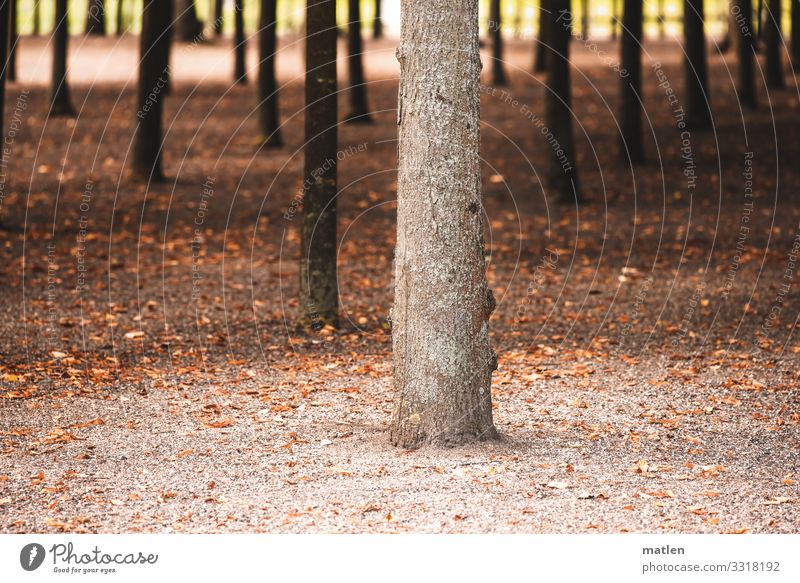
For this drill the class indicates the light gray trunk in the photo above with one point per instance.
(442, 359)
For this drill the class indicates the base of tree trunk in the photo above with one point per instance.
(61, 109)
(359, 118)
(411, 435)
(273, 141)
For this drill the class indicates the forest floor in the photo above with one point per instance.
(152, 378)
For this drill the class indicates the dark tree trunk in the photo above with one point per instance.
(37, 18)
(585, 19)
(13, 40)
(563, 173)
(746, 44)
(96, 17)
(728, 41)
(377, 24)
(319, 289)
(240, 44)
(541, 44)
(698, 111)
(5, 10)
(774, 44)
(661, 18)
(357, 91)
(59, 87)
(759, 19)
(120, 16)
(614, 18)
(187, 25)
(795, 32)
(630, 113)
(217, 17)
(267, 85)
(153, 75)
(496, 26)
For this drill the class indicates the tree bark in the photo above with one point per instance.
(377, 24)
(563, 173)
(60, 104)
(240, 44)
(5, 13)
(357, 91)
(746, 43)
(217, 17)
(319, 289)
(774, 44)
(96, 17)
(120, 17)
(187, 25)
(443, 361)
(496, 26)
(585, 19)
(153, 76)
(630, 113)
(698, 111)
(541, 44)
(267, 84)
(13, 40)
(37, 18)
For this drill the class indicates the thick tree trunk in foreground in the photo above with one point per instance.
(96, 17)
(240, 44)
(319, 289)
(217, 17)
(541, 45)
(496, 28)
(153, 74)
(5, 10)
(774, 45)
(13, 40)
(357, 91)
(377, 24)
(59, 88)
(443, 362)
(630, 112)
(267, 85)
(563, 173)
(698, 112)
(744, 30)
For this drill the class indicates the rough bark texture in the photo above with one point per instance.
(774, 45)
(153, 72)
(319, 289)
(357, 91)
(744, 28)
(267, 85)
(562, 173)
(443, 362)
(496, 28)
(240, 44)
(541, 44)
(630, 112)
(217, 17)
(59, 87)
(96, 17)
(13, 39)
(698, 112)
(377, 24)
(5, 10)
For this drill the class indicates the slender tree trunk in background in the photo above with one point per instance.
(585, 19)
(37, 17)
(319, 289)
(661, 18)
(267, 84)
(496, 27)
(153, 69)
(698, 112)
(96, 17)
(795, 32)
(746, 43)
(59, 87)
(5, 13)
(614, 18)
(728, 40)
(120, 16)
(13, 40)
(357, 91)
(240, 44)
(217, 12)
(377, 24)
(759, 19)
(630, 113)
(774, 42)
(541, 44)
(443, 361)
(187, 25)
(563, 173)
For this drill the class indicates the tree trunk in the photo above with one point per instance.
(240, 44)
(267, 85)
(774, 42)
(13, 40)
(746, 43)
(377, 24)
(759, 20)
(120, 16)
(187, 25)
(585, 19)
(443, 361)
(37, 18)
(729, 40)
(217, 17)
(96, 17)
(5, 13)
(563, 173)
(541, 44)
(630, 113)
(614, 18)
(795, 33)
(59, 87)
(319, 289)
(153, 75)
(661, 18)
(698, 111)
(357, 91)
(496, 26)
